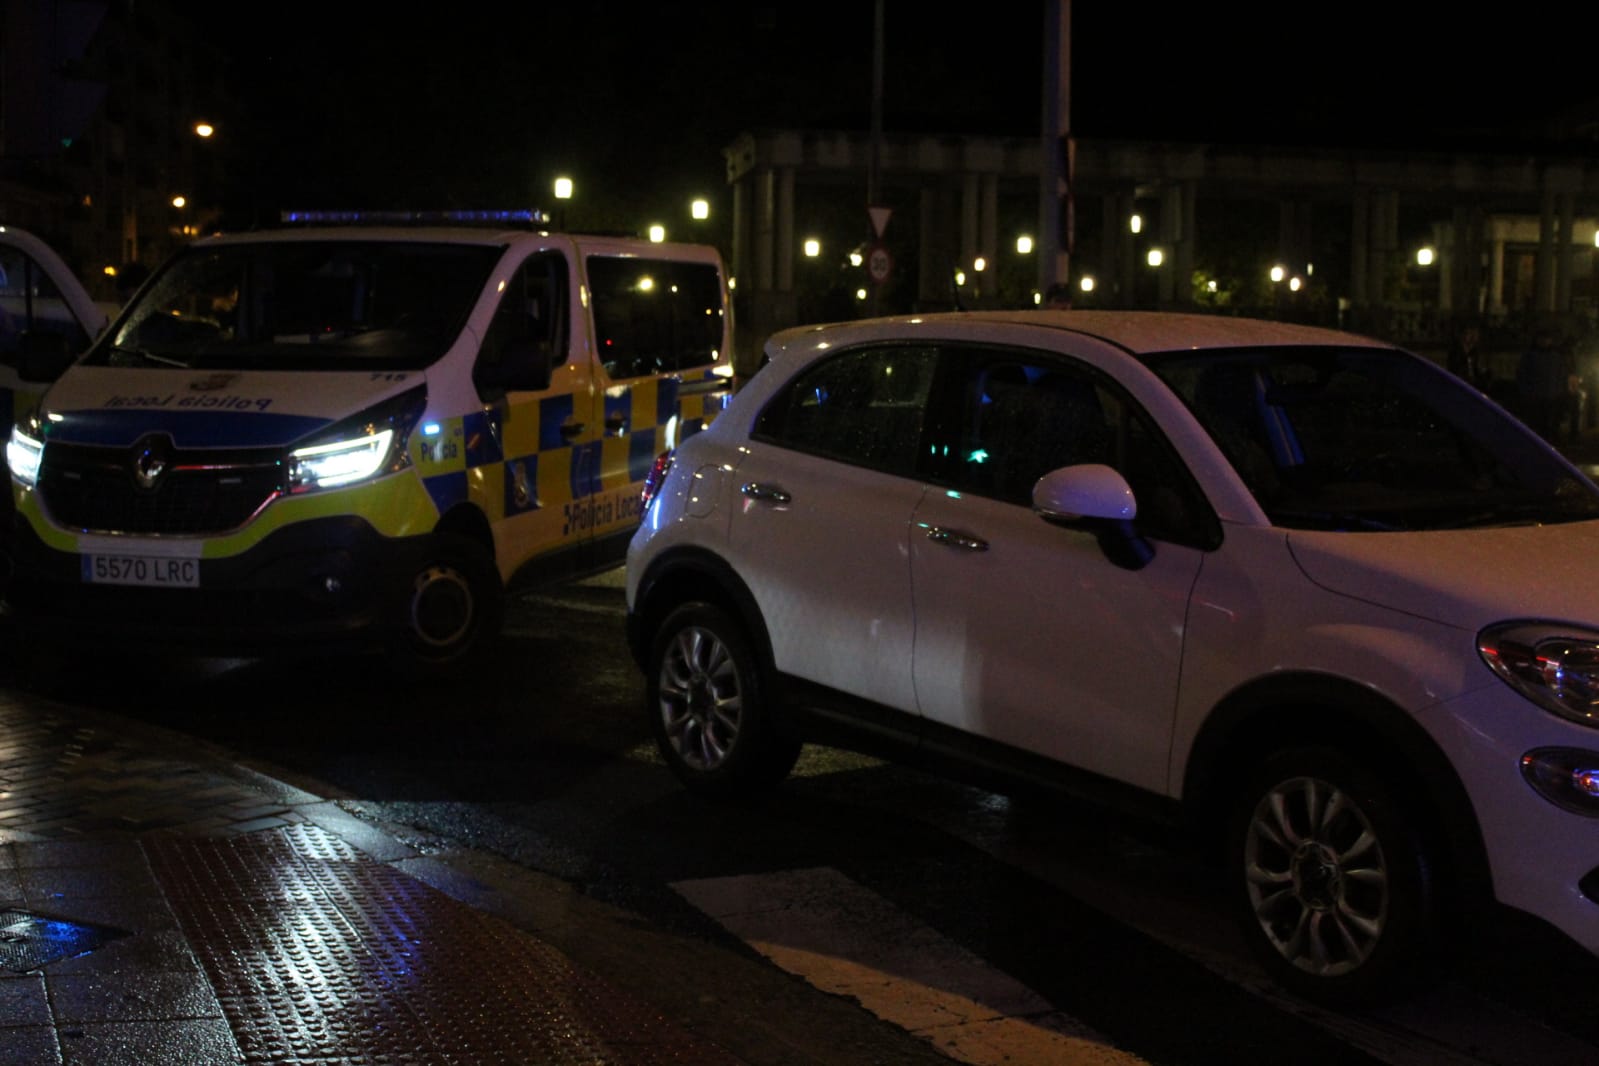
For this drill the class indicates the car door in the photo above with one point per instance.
(823, 503)
(1026, 632)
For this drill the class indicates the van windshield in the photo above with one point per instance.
(302, 305)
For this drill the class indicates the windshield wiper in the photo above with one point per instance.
(1533, 513)
(152, 357)
(1338, 521)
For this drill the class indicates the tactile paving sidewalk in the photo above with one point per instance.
(315, 951)
(137, 879)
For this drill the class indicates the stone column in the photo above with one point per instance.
(988, 235)
(1543, 274)
(1359, 249)
(1566, 204)
(785, 229)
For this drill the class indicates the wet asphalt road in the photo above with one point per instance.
(546, 760)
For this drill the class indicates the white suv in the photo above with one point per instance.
(1305, 592)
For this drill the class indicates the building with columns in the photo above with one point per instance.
(1401, 244)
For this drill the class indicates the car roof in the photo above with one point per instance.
(1138, 332)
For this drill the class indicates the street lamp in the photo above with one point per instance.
(657, 233)
(813, 248)
(700, 210)
(1424, 256)
(563, 193)
(204, 129)
(1024, 245)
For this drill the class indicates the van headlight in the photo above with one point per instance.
(370, 444)
(1554, 666)
(24, 453)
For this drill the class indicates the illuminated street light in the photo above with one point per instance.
(1087, 284)
(1278, 273)
(700, 209)
(563, 188)
(979, 264)
(813, 248)
(860, 294)
(1136, 224)
(204, 129)
(1294, 284)
(657, 233)
(179, 201)
(960, 278)
(1024, 245)
(1155, 257)
(856, 258)
(1424, 256)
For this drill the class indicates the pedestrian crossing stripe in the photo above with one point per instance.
(846, 940)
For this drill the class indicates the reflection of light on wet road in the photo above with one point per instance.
(814, 760)
(845, 940)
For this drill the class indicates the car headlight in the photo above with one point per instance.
(1554, 666)
(370, 444)
(24, 453)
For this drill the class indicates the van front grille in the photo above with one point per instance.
(196, 493)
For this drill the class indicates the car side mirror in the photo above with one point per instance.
(1094, 497)
(42, 355)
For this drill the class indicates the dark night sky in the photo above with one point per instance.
(482, 104)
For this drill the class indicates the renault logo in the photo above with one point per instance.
(151, 457)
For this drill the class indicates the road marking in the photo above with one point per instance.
(847, 940)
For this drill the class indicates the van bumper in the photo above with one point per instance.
(332, 580)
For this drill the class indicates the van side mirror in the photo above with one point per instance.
(1094, 497)
(42, 355)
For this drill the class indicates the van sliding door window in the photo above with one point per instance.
(654, 316)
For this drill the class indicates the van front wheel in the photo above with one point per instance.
(451, 607)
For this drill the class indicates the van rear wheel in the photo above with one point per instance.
(452, 606)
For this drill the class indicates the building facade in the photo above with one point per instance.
(1401, 244)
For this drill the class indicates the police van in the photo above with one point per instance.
(338, 430)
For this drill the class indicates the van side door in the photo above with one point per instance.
(533, 447)
(660, 328)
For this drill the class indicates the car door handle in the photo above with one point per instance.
(956, 539)
(615, 424)
(571, 429)
(769, 493)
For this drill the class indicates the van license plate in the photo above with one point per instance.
(156, 571)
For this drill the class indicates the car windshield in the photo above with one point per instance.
(302, 305)
(1372, 439)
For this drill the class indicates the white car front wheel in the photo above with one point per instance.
(707, 706)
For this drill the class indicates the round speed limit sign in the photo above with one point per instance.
(879, 264)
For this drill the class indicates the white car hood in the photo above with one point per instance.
(1467, 578)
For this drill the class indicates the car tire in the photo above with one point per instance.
(450, 608)
(708, 706)
(1332, 880)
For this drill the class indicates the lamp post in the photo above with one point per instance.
(563, 193)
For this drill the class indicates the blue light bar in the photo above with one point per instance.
(524, 217)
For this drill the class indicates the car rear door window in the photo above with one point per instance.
(867, 407)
